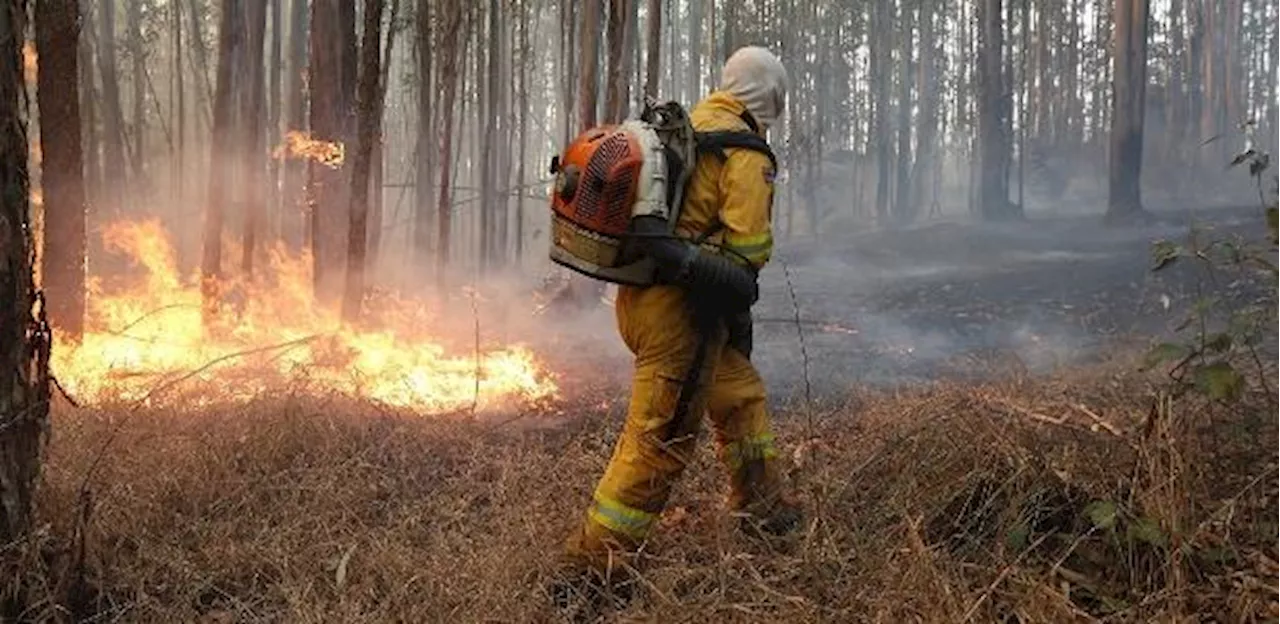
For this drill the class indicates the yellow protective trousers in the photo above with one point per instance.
(681, 372)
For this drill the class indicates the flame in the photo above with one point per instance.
(30, 61)
(145, 340)
(299, 144)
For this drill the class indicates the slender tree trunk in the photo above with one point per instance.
(903, 204)
(113, 156)
(274, 104)
(879, 45)
(568, 75)
(927, 86)
(993, 190)
(62, 167)
(331, 80)
(425, 149)
(211, 263)
(522, 132)
(695, 52)
(137, 54)
(294, 224)
(201, 60)
(615, 76)
(369, 115)
(488, 122)
(24, 353)
(252, 149)
(590, 52)
(1128, 104)
(654, 46)
(88, 112)
(449, 79)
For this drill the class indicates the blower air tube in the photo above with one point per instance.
(712, 279)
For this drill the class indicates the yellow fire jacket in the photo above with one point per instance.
(733, 197)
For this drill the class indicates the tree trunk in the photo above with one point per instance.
(330, 78)
(252, 149)
(62, 166)
(425, 148)
(274, 103)
(113, 156)
(589, 76)
(369, 116)
(1128, 105)
(488, 120)
(927, 86)
(522, 132)
(653, 56)
(449, 79)
(993, 189)
(293, 224)
(24, 384)
(615, 75)
(695, 52)
(879, 45)
(211, 263)
(88, 111)
(137, 54)
(904, 206)
(568, 22)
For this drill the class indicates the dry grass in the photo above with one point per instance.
(944, 504)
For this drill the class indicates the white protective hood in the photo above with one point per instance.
(756, 78)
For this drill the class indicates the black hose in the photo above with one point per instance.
(712, 279)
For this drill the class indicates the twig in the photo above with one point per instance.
(119, 425)
(475, 316)
(968, 616)
(1099, 421)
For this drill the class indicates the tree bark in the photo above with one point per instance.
(24, 348)
(654, 50)
(425, 139)
(1128, 105)
(589, 77)
(331, 81)
(293, 225)
(62, 169)
(694, 79)
(615, 74)
(251, 148)
(211, 262)
(368, 115)
(449, 79)
(993, 189)
(904, 205)
(137, 54)
(113, 156)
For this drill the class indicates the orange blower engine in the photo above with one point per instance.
(608, 176)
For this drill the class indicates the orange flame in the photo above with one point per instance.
(145, 340)
(299, 144)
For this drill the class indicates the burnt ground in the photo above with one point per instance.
(952, 300)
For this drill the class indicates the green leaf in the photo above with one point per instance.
(1219, 381)
(1164, 352)
(1147, 531)
(1163, 253)
(1102, 514)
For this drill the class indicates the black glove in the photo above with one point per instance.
(714, 281)
(740, 332)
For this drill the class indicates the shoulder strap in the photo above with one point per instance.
(715, 143)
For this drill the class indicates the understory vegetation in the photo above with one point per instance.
(1082, 497)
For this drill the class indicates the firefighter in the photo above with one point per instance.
(691, 338)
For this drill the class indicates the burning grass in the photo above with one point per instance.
(145, 331)
(1061, 500)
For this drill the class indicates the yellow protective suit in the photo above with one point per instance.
(683, 372)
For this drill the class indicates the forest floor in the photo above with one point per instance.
(981, 446)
